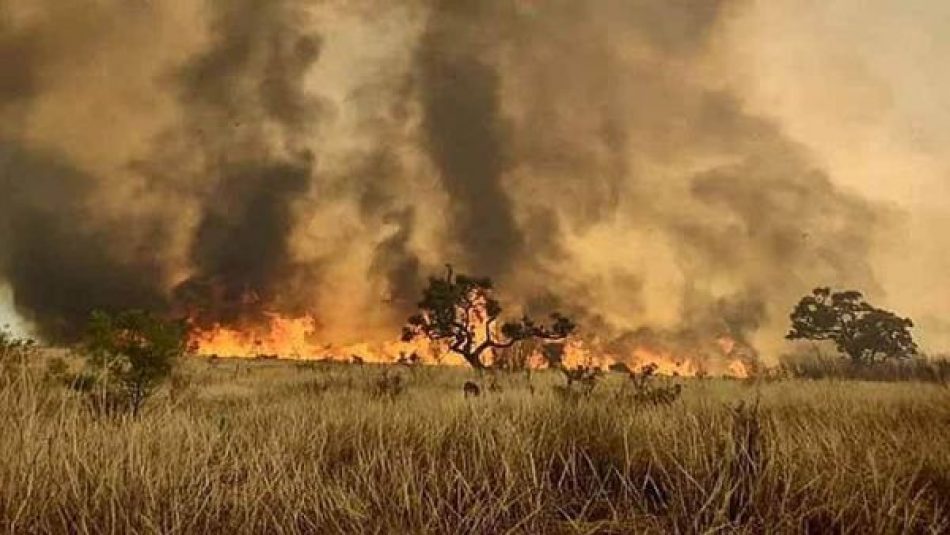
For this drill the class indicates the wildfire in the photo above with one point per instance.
(290, 337)
(738, 369)
(297, 338)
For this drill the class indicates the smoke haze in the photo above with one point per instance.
(667, 171)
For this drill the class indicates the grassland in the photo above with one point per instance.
(277, 447)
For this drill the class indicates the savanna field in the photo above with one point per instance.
(474, 267)
(244, 446)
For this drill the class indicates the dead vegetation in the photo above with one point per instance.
(388, 386)
(818, 365)
(252, 447)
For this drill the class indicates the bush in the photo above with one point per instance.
(645, 389)
(388, 386)
(57, 370)
(131, 354)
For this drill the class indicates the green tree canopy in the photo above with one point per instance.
(859, 330)
(462, 312)
(134, 351)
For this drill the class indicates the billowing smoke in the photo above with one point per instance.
(460, 90)
(298, 156)
(248, 122)
(63, 251)
(60, 264)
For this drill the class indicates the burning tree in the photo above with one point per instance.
(859, 330)
(461, 312)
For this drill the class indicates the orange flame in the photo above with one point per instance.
(737, 368)
(290, 337)
(297, 338)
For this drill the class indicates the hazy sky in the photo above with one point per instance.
(865, 85)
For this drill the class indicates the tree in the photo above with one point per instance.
(859, 330)
(133, 352)
(461, 311)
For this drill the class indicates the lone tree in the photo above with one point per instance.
(859, 330)
(461, 311)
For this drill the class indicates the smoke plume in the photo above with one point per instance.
(249, 120)
(297, 156)
(463, 130)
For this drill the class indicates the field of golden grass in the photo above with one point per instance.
(281, 447)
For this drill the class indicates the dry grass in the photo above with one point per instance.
(241, 447)
(817, 365)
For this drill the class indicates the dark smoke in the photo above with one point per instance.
(240, 250)
(18, 55)
(464, 132)
(61, 255)
(251, 78)
(61, 264)
(396, 261)
(610, 120)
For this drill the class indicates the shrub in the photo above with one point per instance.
(388, 386)
(14, 351)
(131, 354)
(645, 390)
(57, 370)
(584, 377)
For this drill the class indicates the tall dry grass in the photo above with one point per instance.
(242, 447)
(818, 365)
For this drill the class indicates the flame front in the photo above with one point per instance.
(284, 336)
(298, 338)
